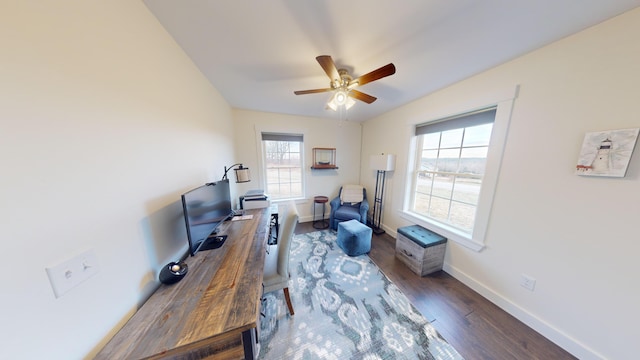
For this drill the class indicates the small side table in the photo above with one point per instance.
(322, 223)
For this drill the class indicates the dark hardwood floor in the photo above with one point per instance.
(477, 328)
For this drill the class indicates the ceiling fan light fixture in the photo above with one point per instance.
(331, 105)
(340, 98)
(350, 102)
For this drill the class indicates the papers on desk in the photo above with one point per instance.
(254, 193)
(242, 217)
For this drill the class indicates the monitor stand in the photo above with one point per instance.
(212, 242)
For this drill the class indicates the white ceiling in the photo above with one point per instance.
(256, 53)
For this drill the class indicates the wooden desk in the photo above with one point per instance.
(212, 312)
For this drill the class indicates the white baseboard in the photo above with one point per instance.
(571, 345)
(303, 219)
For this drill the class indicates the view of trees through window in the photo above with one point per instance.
(449, 170)
(283, 168)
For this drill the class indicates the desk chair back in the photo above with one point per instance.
(276, 272)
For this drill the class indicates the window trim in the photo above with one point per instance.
(293, 135)
(476, 241)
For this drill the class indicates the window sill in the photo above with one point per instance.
(449, 232)
(297, 200)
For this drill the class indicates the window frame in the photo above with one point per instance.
(460, 122)
(476, 240)
(281, 136)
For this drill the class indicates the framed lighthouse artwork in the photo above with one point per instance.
(607, 153)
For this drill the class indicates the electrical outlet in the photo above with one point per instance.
(69, 274)
(527, 282)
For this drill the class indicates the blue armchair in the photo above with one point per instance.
(348, 211)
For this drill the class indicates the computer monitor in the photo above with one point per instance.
(205, 208)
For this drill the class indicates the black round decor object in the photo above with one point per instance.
(173, 272)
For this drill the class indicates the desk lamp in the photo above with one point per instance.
(242, 173)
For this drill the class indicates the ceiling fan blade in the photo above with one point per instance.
(362, 96)
(329, 67)
(314, 91)
(376, 74)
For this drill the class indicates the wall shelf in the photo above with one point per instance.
(324, 158)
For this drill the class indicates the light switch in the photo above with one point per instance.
(69, 274)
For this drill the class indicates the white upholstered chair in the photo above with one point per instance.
(276, 266)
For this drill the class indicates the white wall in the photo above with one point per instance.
(576, 235)
(104, 122)
(345, 136)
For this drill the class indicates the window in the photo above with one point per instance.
(450, 162)
(283, 165)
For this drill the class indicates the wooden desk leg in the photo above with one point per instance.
(249, 343)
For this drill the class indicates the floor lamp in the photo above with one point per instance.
(381, 163)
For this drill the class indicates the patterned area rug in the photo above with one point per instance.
(345, 308)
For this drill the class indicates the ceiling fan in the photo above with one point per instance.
(344, 85)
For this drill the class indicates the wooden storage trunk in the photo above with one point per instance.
(420, 249)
